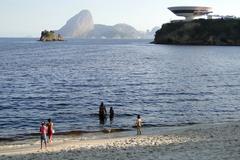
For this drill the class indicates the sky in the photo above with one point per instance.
(27, 18)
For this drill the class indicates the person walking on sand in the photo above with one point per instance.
(139, 125)
(43, 132)
(50, 130)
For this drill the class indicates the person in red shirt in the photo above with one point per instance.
(50, 130)
(43, 133)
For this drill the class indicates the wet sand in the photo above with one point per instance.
(203, 141)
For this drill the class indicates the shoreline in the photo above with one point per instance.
(202, 141)
(104, 129)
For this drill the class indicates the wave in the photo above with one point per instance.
(184, 93)
(7, 139)
(66, 133)
(223, 86)
(148, 125)
(119, 115)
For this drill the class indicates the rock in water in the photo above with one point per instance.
(50, 36)
(78, 26)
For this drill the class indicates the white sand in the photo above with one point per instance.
(198, 142)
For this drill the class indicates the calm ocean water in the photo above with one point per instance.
(167, 85)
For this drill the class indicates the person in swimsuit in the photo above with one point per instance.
(111, 113)
(139, 125)
(50, 130)
(43, 132)
(102, 111)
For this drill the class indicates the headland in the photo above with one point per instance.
(200, 32)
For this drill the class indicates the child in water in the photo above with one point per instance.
(111, 113)
(139, 125)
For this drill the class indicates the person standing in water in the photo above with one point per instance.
(111, 116)
(102, 111)
(50, 130)
(43, 134)
(102, 114)
(111, 112)
(139, 125)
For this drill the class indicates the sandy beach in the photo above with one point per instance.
(202, 141)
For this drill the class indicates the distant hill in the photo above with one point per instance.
(200, 32)
(127, 31)
(118, 31)
(151, 34)
(102, 31)
(82, 26)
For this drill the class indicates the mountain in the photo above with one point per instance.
(82, 26)
(78, 26)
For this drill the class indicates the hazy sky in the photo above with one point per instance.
(21, 18)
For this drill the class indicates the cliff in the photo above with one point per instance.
(50, 36)
(200, 32)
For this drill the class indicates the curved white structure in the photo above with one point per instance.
(190, 12)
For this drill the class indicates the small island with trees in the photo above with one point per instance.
(200, 32)
(50, 36)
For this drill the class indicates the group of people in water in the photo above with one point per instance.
(46, 129)
(103, 112)
(103, 115)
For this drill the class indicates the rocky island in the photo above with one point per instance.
(200, 32)
(50, 36)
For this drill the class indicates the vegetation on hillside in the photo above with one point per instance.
(50, 36)
(200, 32)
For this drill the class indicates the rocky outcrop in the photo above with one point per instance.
(78, 26)
(50, 36)
(200, 32)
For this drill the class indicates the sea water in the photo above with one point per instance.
(168, 85)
